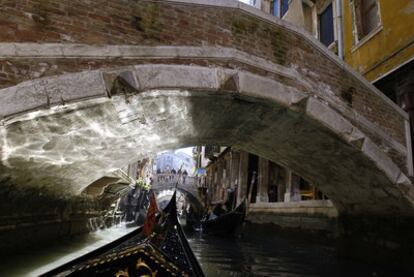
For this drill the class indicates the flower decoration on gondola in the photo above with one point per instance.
(140, 183)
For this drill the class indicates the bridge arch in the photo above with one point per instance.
(168, 74)
(143, 109)
(164, 196)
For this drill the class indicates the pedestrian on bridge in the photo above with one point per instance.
(184, 176)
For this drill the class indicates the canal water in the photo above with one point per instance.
(35, 261)
(275, 255)
(261, 255)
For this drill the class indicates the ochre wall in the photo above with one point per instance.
(389, 47)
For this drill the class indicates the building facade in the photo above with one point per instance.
(275, 194)
(255, 178)
(375, 37)
(378, 36)
(321, 18)
(379, 43)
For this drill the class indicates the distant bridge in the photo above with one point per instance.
(168, 181)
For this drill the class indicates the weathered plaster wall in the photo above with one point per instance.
(392, 45)
(295, 13)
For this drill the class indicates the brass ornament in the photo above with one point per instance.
(122, 273)
(142, 265)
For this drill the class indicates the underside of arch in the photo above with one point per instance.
(73, 129)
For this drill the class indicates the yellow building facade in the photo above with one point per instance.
(389, 43)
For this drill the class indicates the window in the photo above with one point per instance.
(255, 3)
(279, 7)
(274, 7)
(285, 7)
(326, 26)
(249, 2)
(366, 17)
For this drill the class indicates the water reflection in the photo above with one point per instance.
(33, 262)
(259, 255)
(276, 256)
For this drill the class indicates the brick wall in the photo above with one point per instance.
(155, 23)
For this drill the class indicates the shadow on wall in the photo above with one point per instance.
(32, 216)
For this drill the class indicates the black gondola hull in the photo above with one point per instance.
(227, 224)
(163, 253)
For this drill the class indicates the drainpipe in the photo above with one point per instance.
(339, 28)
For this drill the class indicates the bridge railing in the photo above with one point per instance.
(169, 179)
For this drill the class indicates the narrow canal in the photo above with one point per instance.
(260, 255)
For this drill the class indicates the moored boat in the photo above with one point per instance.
(226, 224)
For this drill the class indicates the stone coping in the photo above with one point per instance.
(291, 28)
(294, 204)
(231, 4)
(309, 207)
(57, 50)
(77, 50)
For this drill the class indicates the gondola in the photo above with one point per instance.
(191, 224)
(165, 252)
(227, 224)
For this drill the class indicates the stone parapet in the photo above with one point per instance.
(312, 215)
(309, 207)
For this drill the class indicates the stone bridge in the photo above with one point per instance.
(164, 194)
(89, 87)
(169, 181)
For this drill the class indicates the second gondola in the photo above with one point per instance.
(226, 224)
